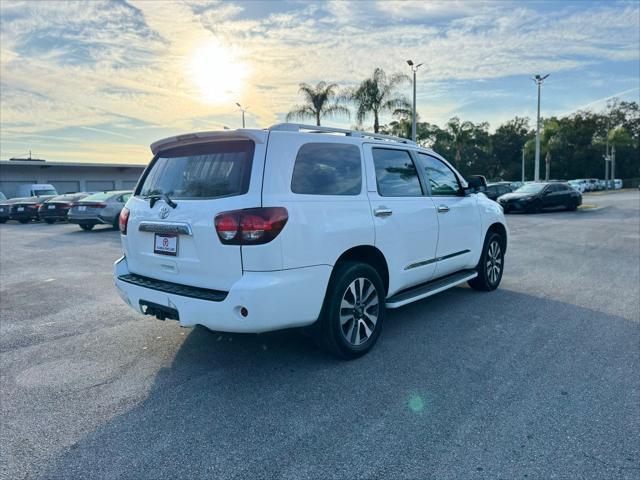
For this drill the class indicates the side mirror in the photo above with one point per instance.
(477, 183)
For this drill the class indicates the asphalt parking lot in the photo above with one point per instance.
(540, 379)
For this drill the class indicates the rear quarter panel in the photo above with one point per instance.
(320, 227)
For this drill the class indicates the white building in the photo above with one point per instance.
(68, 176)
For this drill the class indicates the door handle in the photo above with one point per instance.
(443, 209)
(382, 212)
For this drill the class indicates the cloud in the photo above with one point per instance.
(96, 65)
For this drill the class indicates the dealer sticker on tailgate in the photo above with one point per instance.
(166, 244)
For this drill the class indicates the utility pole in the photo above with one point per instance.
(242, 110)
(613, 166)
(414, 68)
(536, 173)
(523, 164)
(606, 159)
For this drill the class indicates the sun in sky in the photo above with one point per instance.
(217, 73)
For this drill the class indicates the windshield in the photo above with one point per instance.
(531, 188)
(217, 169)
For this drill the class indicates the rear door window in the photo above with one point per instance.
(327, 169)
(211, 170)
(396, 174)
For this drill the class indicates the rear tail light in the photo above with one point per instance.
(251, 226)
(99, 205)
(124, 220)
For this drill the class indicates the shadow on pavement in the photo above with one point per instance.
(461, 385)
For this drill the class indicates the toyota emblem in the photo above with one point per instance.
(164, 212)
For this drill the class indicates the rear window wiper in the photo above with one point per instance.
(160, 196)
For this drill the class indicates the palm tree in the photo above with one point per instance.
(378, 94)
(320, 101)
(461, 133)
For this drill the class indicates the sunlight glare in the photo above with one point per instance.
(217, 73)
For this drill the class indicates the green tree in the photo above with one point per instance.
(320, 101)
(378, 94)
(461, 134)
(550, 141)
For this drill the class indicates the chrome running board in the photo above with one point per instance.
(430, 288)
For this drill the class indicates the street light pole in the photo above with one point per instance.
(523, 164)
(536, 173)
(242, 110)
(414, 68)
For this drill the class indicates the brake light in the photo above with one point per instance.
(251, 226)
(99, 205)
(124, 220)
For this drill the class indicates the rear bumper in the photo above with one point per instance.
(56, 214)
(88, 219)
(26, 215)
(274, 300)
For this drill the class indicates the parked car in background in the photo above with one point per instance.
(591, 184)
(2, 196)
(36, 190)
(535, 197)
(98, 209)
(5, 208)
(494, 190)
(617, 184)
(577, 185)
(57, 208)
(515, 185)
(26, 209)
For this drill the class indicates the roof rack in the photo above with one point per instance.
(297, 127)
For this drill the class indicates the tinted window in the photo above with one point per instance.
(215, 169)
(396, 175)
(327, 169)
(442, 180)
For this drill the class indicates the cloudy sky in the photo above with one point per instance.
(99, 81)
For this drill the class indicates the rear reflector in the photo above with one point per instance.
(124, 220)
(251, 226)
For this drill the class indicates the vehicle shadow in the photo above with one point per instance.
(461, 384)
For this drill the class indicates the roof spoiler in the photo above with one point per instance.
(258, 136)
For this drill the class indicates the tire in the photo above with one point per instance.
(492, 258)
(343, 331)
(86, 226)
(49, 220)
(24, 220)
(116, 223)
(572, 207)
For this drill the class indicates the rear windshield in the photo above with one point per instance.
(44, 192)
(211, 170)
(66, 198)
(98, 197)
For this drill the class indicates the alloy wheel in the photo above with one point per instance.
(494, 262)
(359, 311)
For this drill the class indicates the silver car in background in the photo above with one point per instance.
(99, 209)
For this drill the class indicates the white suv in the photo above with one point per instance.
(294, 226)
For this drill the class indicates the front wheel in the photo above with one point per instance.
(86, 226)
(353, 311)
(491, 264)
